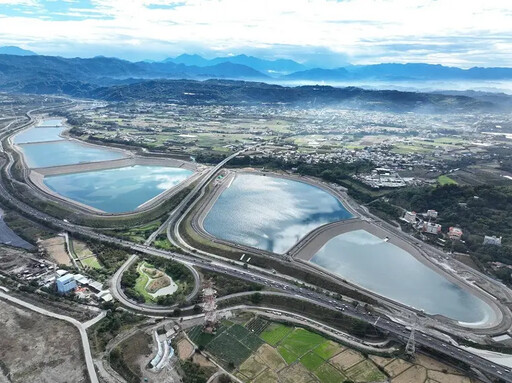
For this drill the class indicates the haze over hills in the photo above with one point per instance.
(241, 92)
(402, 72)
(120, 80)
(250, 67)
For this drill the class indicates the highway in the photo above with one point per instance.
(200, 185)
(398, 330)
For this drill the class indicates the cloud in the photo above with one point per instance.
(318, 31)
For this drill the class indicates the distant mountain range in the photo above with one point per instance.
(269, 67)
(241, 67)
(11, 50)
(401, 72)
(120, 80)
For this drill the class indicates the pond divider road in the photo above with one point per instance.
(190, 196)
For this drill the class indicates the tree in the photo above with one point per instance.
(256, 298)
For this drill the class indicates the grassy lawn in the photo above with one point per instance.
(140, 285)
(139, 234)
(445, 180)
(274, 333)
(91, 262)
(408, 149)
(163, 243)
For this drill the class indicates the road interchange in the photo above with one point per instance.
(286, 287)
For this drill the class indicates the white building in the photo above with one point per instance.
(431, 228)
(410, 216)
(495, 241)
(431, 213)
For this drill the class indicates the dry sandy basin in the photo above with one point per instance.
(38, 349)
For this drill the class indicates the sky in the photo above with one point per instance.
(325, 33)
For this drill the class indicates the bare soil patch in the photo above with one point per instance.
(296, 373)
(271, 357)
(396, 367)
(432, 364)
(442, 377)
(185, 349)
(38, 349)
(56, 249)
(157, 284)
(413, 374)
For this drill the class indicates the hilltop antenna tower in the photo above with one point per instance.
(210, 306)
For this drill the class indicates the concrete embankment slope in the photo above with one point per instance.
(114, 164)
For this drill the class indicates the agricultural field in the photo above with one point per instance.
(177, 129)
(261, 351)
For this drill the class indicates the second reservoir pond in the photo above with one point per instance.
(386, 269)
(271, 213)
(65, 152)
(117, 190)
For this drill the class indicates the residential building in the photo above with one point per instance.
(454, 233)
(431, 213)
(410, 216)
(495, 241)
(431, 228)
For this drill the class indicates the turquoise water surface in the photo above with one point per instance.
(117, 190)
(271, 213)
(39, 135)
(386, 269)
(65, 152)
